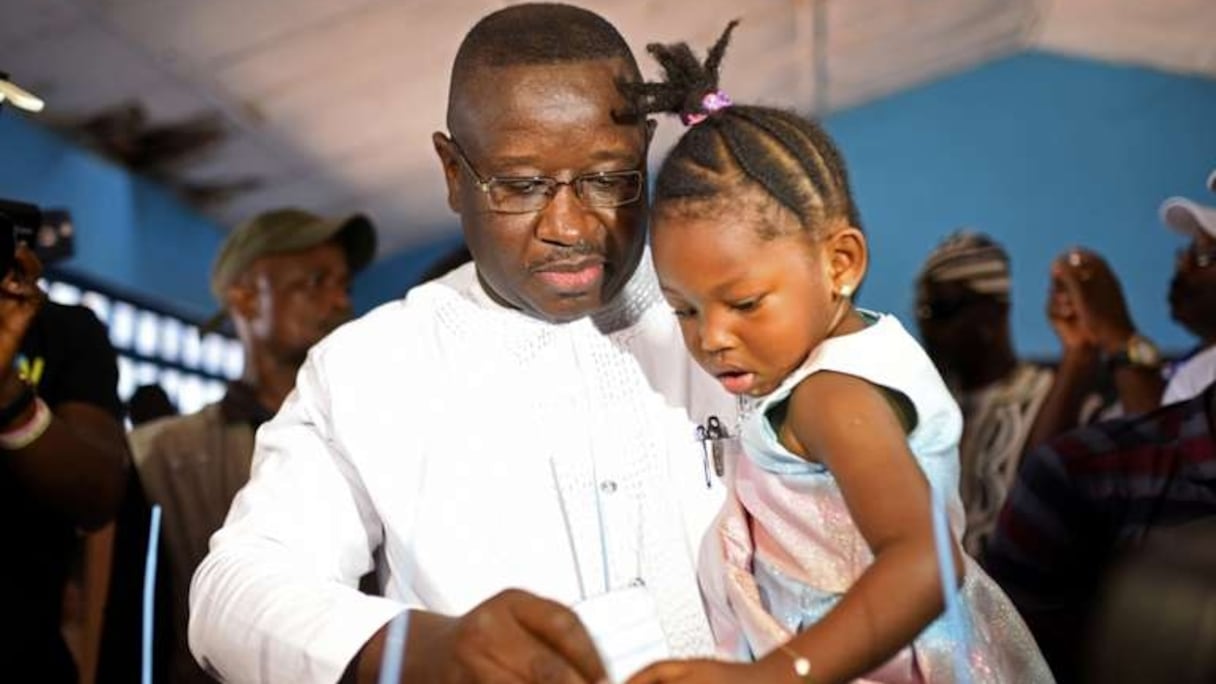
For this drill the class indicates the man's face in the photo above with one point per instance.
(949, 315)
(290, 301)
(568, 259)
(1192, 293)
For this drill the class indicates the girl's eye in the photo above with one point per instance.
(686, 312)
(746, 305)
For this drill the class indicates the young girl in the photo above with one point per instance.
(822, 565)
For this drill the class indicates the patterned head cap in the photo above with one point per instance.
(972, 259)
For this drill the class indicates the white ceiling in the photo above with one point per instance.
(331, 102)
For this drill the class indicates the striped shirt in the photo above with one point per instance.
(1086, 498)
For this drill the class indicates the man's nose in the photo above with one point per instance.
(566, 221)
(339, 298)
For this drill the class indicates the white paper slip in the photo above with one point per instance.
(624, 625)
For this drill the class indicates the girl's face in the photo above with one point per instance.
(751, 309)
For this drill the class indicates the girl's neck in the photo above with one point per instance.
(849, 321)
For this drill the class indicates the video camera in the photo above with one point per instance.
(49, 233)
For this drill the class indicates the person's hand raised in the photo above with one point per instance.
(1066, 321)
(1086, 305)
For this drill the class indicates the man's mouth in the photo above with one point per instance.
(579, 275)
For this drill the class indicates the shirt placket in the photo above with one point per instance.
(609, 460)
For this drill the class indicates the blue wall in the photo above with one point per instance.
(391, 277)
(134, 235)
(1043, 153)
(130, 233)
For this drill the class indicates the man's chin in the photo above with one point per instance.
(567, 307)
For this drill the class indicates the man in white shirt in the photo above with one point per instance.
(517, 430)
(1193, 293)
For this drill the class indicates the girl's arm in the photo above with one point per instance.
(851, 427)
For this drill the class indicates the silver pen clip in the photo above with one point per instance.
(702, 436)
(717, 436)
(712, 437)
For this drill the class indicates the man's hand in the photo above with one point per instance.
(1093, 297)
(512, 638)
(1066, 322)
(1087, 304)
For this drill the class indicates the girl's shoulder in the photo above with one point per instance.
(863, 354)
(885, 355)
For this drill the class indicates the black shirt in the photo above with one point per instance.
(67, 355)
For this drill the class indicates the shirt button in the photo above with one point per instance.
(608, 487)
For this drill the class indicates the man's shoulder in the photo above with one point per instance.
(1203, 357)
(403, 319)
(173, 433)
(71, 322)
(73, 314)
(1199, 370)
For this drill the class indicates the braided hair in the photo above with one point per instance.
(791, 159)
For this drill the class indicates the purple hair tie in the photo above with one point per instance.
(712, 102)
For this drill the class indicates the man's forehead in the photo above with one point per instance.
(321, 254)
(494, 77)
(498, 96)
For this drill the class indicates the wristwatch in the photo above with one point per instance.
(1140, 352)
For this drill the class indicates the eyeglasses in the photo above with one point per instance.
(1199, 258)
(527, 194)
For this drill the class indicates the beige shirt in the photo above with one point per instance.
(192, 466)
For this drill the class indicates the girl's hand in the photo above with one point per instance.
(695, 672)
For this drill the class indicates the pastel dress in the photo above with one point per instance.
(785, 549)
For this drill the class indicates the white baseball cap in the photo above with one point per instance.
(1187, 217)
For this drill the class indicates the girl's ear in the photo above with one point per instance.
(848, 258)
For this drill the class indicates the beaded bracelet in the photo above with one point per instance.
(802, 664)
(22, 436)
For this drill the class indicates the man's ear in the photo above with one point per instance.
(848, 259)
(451, 168)
(241, 297)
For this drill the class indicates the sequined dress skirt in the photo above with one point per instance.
(765, 582)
